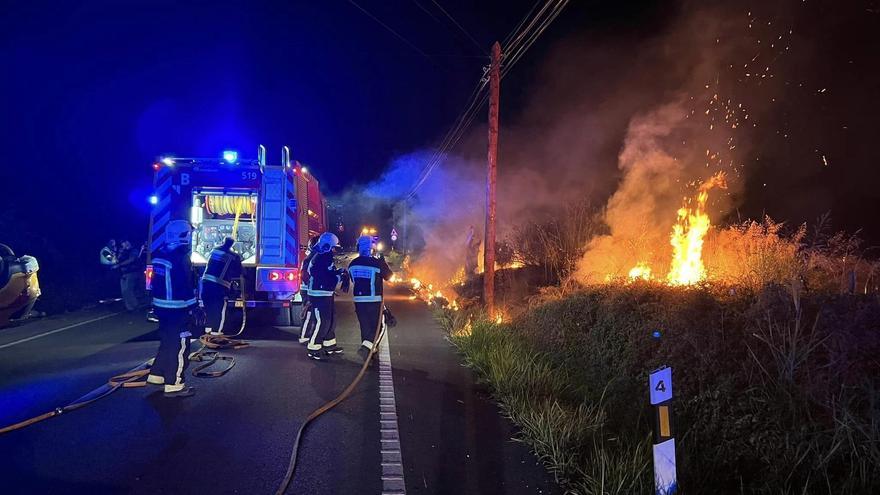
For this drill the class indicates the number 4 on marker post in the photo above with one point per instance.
(660, 388)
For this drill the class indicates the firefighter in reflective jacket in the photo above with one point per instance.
(223, 268)
(308, 316)
(173, 297)
(367, 273)
(324, 277)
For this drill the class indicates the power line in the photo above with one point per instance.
(395, 33)
(521, 22)
(521, 39)
(533, 37)
(453, 135)
(481, 49)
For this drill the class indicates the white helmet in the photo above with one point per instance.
(326, 242)
(365, 245)
(178, 232)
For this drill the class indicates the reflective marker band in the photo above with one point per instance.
(367, 298)
(172, 304)
(216, 280)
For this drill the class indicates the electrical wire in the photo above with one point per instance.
(532, 38)
(510, 35)
(476, 44)
(454, 134)
(395, 33)
(521, 40)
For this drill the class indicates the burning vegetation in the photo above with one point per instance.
(772, 326)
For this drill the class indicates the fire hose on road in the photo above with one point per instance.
(129, 379)
(209, 353)
(291, 468)
(137, 376)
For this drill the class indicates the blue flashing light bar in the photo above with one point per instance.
(230, 156)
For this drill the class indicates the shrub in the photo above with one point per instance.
(776, 388)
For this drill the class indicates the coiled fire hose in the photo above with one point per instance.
(288, 477)
(209, 353)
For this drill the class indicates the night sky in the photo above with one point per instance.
(93, 91)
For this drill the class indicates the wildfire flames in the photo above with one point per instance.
(686, 239)
(640, 271)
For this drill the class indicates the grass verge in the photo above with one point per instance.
(776, 391)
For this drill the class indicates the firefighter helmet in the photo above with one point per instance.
(178, 232)
(365, 245)
(326, 242)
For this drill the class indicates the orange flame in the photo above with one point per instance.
(688, 234)
(640, 271)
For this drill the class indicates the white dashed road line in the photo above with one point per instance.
(389, 435)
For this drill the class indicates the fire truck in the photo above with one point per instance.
(270, 210)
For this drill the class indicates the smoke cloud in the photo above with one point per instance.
(634, 122)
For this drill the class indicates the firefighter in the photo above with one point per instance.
(174, 298)
(224, 266)
(367, 273)
(324, 277)
(308, 317)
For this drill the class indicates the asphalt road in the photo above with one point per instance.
(235, 434)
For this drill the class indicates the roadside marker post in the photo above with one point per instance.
(660, 389)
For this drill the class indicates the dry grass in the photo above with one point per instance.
(777, 390)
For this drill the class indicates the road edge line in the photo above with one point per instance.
(50, 332)
(389, 434)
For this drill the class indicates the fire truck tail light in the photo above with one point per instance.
(277, 279)
(148, 275)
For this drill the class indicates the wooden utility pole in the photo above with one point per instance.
(489, 239)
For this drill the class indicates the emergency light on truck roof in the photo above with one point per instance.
(168, 161)
(230, 156)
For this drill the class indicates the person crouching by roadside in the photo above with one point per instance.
(367, 274)
(19, 286)
(324, 278)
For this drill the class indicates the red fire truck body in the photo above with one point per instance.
(270, 210)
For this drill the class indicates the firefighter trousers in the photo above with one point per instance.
(308, 320)
(368, 317)
(214, 299)
(324, 334)
(172, 359)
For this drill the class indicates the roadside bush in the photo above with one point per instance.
(558, 243)
(776, 389)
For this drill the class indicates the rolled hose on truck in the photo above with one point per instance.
(291, 468)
